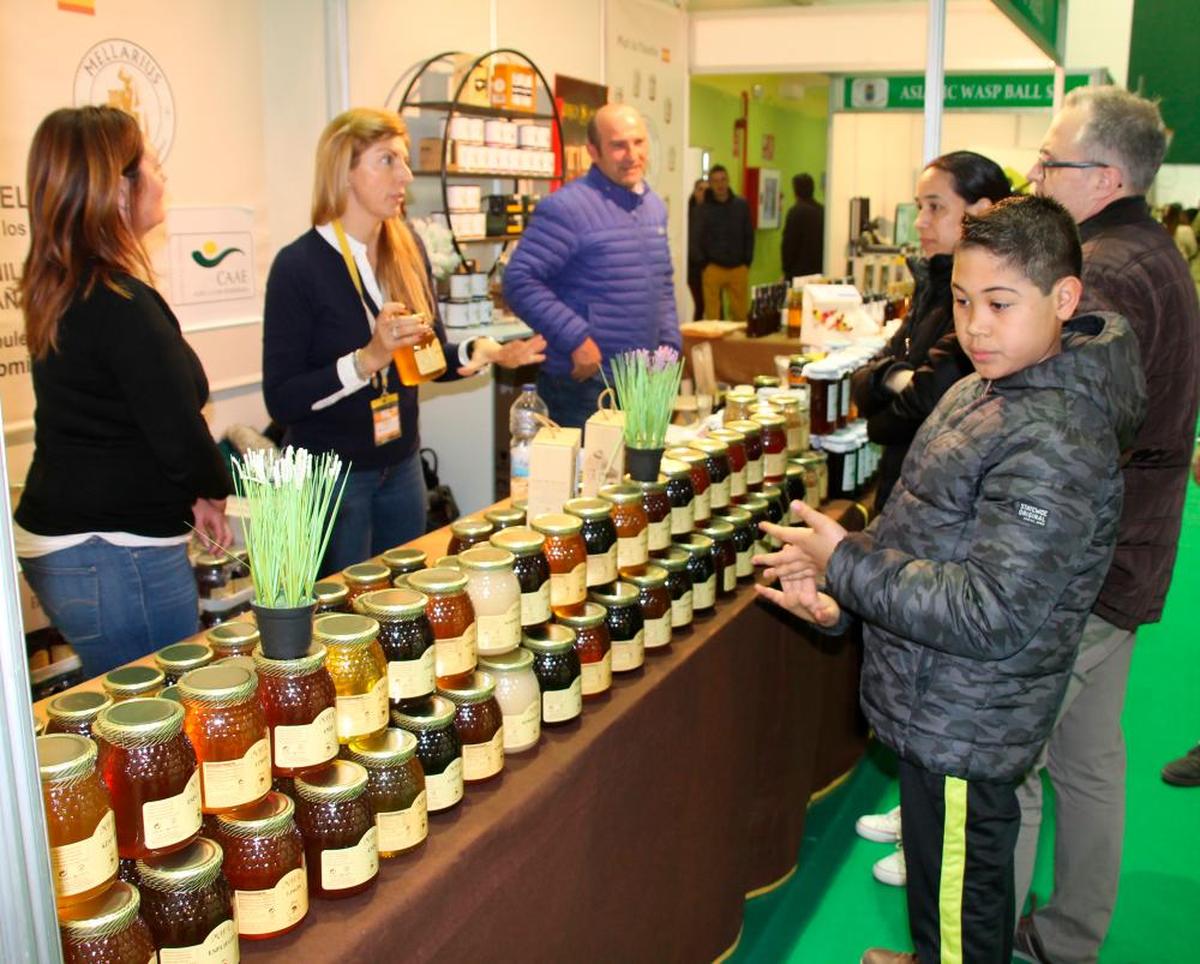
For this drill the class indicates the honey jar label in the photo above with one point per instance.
(524, 728)
(568, 588)
(630, 653)
(168, 821)
(754, 471)
(703, 504)
(220, 947)
(737, 483)
(535, 606)
(273, 910)
(718, 493)
(445, 789)
(500, 633)
(429, 357)
(729, 578)
(401, 829)
(363, 714)
(602, 568)
(633, 550)
(681, 610)
(230, 783)
(658, 534)
(705, 593)
(795, 439)
(306, 744)
(87, 863)
(351, 866)
(658, 631)
(745, 565)
(483, 760)
(775, 465)
(559, 705)
(412, 677)
(683, 519)
(597, 677)
(457, 654)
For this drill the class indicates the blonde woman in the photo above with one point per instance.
(340, 300)
(124, 462)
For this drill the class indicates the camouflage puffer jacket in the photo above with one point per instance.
(975, 582)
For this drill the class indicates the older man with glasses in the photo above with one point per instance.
(1099, 158)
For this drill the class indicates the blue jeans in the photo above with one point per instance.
(114, 604)
(571, 403)
(381, 509)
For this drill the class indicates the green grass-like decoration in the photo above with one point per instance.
(293, 499)
(646, 384)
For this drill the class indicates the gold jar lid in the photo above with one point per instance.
(444, 562)
(210, 560)
(474, 529)
(391, 748)
(772, 491)
(710, 446)
(768, 419)
(686, 454)
(102, 916)
(65, 756)
(647, 487)
(755, 503)
(434, 714)
(348, 630)
(310, 662)
(589, 509)
(651, 576)
(505, 517)
(172, 692)
(766, 381)
(614, 594)
(79, 706)
(730, 436)
(391, 604)
(796, 469)
(132, 681)
(139, 722)
(735, 515)
(234, 637)
(622, 493)
(470, 688)
(593, 615)
(673, 560)
(438, 581)
(336, 782)
(183, 871)
(741, 391)
(515, 661)
(180, 657)
(268, 817)
(673, 469)
(549, 639)
(717, 529)
(403, 560)
(785, 402)
(694, 543)
(557, 524)
(519, 540)
(486, 558)
(220, 685)
(330, 594)
(746, 426)
(365, 573)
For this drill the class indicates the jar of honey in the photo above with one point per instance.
(341, 844)
(743, 538)
(756, 505)
(401, 561)
(807, 463)
(735, 443)
(151, 773)
(594, 647)
(496, 596)
(465, 533)
(331, 597)
(75, 712)
(720, 469)
(774, 445)
(701, 566)
(226, 725)
(420, 363)
(654, 599)
(299, 702)
(406, 639)
(178, 658)
(80, 823)
(626, 631)
(567, 554)
(359, 669)
(679, 585)
(232, 639)
(599, 535)
(701, 482)
(556, 665)
(365, 577)
(657, 506)
(395, 789)
(519, 697)
(129, 682)
(212, 574)
(824, 385)
(188, 903)
(766, 381)
(438, 749)
(796, 421)
(451, 617)
(531, 568)
(753, 439)
(738, 403)
(264, 864)
(107, 929)
(677, 477)
(724, 554)
(633, 525)
(479, 724)
(505, 517)
(776, 511)
(794, 489)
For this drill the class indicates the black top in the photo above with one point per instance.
(121, 445)
(312, 317)
(726, 234)
(803, 239)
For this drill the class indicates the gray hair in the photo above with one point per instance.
(1125, 128)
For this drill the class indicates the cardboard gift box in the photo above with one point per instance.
(603, 451)
(553, 461)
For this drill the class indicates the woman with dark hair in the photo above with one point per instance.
(124, 463)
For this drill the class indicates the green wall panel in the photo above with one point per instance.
(1164, 63)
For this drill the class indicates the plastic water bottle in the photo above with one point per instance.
(523, 425)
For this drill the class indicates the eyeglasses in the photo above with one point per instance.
(1044, 165)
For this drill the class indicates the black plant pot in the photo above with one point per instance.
(643, 464)
(285, 633)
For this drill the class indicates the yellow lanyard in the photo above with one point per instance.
(378, 380)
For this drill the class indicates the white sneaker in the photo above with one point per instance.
(891, 869)
(880, 827)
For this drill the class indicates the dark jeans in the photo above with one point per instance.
(381, 509)
(571, 403)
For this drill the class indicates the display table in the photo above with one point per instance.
(737, 358)
(636, 832)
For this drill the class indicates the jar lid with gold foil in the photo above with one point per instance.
(79, 706)
(236, 637)
(103, 916)
(183, 871)
(65, 756)
(330, 594)
(673, 469)
(132, 681)
(794, 468)
(438, 582)
(716, 529)
(519, 540)
(172, 692)
(651, 576)
(445, 562)
(401, 560)
(646, 487)
(139, 722)
(475, 529)
(557, 524)
(392, 604)
(745, 426)
(436, 713)
(268, 817)
(785, 403)
(735, 515)
(391, 748)
(587, 508)
(728, 435)
(470, 688)
(486, 558)
(336, 782)
(768, 419)
(772, 492)
(694, 543)
(221, 685)
(755, 504)
(310, 662)
(366, 573)
(593, 615)
(349, 630)
(685, 453)
(209, 560)
(550, 639)
(622, 493)
(673, 560)
(614, 594)
(505, 517)
(512, 662)
(180, 657)
(766, 381)
(710, 446)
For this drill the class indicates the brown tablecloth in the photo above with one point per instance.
(737, 359)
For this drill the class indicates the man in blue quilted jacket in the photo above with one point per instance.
(592, 273)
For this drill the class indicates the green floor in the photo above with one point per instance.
(832, 908)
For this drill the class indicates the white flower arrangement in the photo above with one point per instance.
(439, 245)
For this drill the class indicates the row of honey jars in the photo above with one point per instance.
(532, 569)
